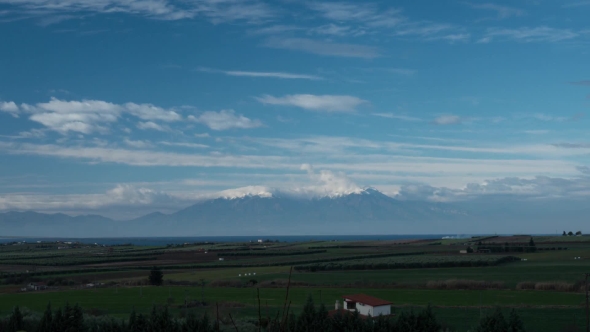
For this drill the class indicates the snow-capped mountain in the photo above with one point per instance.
(253, 210)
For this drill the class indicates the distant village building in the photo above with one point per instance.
(37, 286)
(260, 241)
(365, 305)
(220, 258)
(462, 251)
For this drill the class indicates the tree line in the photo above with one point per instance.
(311, 318)
(570, 233)
(508, 247)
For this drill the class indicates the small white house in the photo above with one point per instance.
(37, 286)
(259, 240)
(366, 305)
(221, 258)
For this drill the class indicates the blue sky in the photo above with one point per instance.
(125, 107)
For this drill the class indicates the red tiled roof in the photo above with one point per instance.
(366, 299)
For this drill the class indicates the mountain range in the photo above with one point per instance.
(366, 211)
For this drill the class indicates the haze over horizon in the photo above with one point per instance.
(122, 108)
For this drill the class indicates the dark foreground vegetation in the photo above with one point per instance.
(311, 318)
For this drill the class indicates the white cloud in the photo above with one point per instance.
(225, 119)
(398, 117)
(281, 75)
(275, 29)
(582, 83)
(246, 191)
(137, 143)
(527, 34)
(9, 107)
(76, 122)
(337, 154)
(576, 4)
(424, 29)
(33, 133)
(532, 187)
(327, 103)
(203, 135)
(327, 183)
(128, 194)
(222, 11)
(149, 125)
(122, 195)
(151, 112)
(502, 12)
(160, 9)
(184, 145)
(447, 120)
(537, 132)
(366, 13)
(368, 18)
(88, 116)
(335, 30)
(324, 47)
(250, 11)
(546, 117)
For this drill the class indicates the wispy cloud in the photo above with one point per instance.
(576, 4)
(222, 11)
(527, 34)
(337, 30)
(281, 75)
(547, 117)
(275, 29)
(583, 83)
(447, 120)
(398, 117)
(51, 11)
(150, 125)
(184, 144)
(137, 143)
(326, 103)
(573, 145)
(363, 18)
(502, 12)
(160, 9)
(324, 47)
(225, 119)
(367, 13)
(537, 132)
(401, 71)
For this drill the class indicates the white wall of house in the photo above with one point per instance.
(367, 310)
(381, 310)
(364, 309)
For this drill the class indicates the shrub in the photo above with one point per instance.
(555, 286)
(226, 283)
(464, 284)
(525, 285)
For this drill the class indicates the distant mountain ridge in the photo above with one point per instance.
(364, 211)
(367, 211)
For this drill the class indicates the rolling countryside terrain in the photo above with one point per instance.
(543, 282)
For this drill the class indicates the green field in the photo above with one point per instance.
(227, 284)
(459, 309)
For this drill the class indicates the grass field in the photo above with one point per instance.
(405, 287)
(459, 309)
